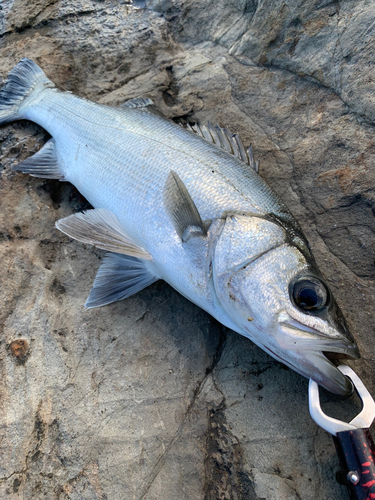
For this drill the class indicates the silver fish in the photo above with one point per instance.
(184, 206)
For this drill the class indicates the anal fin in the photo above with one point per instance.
(43, 164)
(101, 228)
(118, 277)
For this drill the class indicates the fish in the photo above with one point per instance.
(185, 205)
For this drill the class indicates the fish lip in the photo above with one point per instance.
(309, 352)
(317, 366)
(329, 376)
(311, 361)
(312, 339)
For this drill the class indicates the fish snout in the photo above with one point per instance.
(312, 352)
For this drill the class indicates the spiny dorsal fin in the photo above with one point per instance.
(138, 102)
(43, 164)
(232, 143)
(118, 277)
(182, 209)
(102, 229)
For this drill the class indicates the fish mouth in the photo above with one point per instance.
(294, 335)
(311, 353)
(326, 374)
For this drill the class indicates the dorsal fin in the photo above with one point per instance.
(223, 137)
(138, 102)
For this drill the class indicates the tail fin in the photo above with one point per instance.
(21, 81)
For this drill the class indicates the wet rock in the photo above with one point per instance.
(150, 398)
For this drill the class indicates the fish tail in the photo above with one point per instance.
(22, 81)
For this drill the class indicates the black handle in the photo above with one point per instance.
(356, 452)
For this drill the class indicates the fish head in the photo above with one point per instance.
(267, 282)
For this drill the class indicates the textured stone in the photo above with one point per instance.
(150, 398)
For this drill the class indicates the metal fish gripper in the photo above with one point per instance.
(354, 444)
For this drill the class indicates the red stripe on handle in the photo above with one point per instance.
(356, 452)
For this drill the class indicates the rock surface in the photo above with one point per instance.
(150, 398)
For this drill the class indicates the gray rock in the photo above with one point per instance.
(150, 398)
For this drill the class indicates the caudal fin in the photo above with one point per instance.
(22, 80)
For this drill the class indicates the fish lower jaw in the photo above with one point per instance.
(317, 366)
(311, 363)
(327, 375)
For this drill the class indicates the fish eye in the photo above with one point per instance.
(310, 294)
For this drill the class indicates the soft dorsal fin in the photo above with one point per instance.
(138, 102)
(182, 209)
(119, 277)
(232, 143)
(43, 164)
(102, 229)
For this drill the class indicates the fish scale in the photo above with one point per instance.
(170, 204)
(112, 159)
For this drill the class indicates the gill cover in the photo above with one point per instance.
(239, 282)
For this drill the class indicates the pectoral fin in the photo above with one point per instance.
(102, 229)
(119, 277)
(182, 209)
(43, 164)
